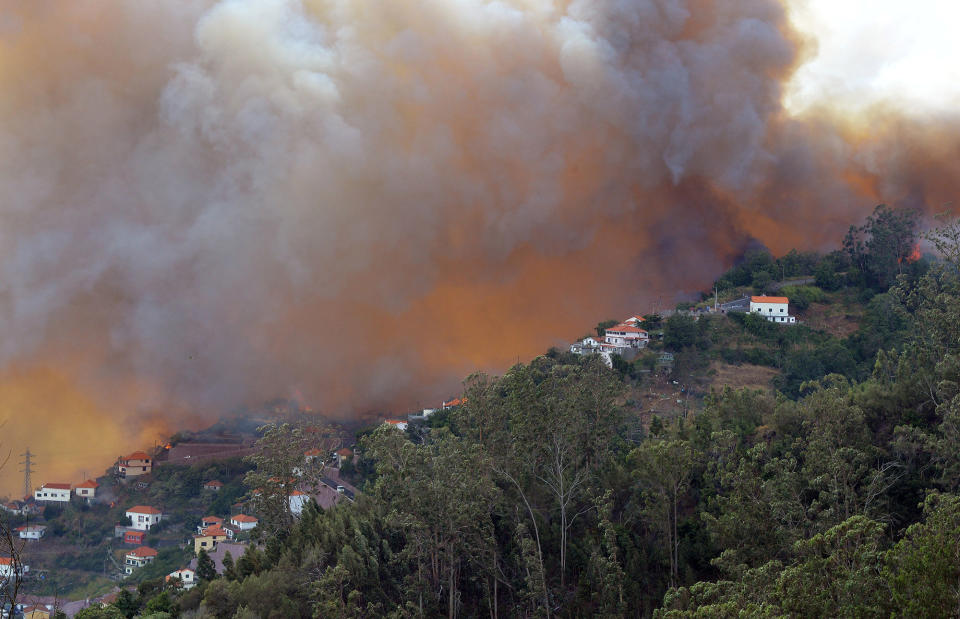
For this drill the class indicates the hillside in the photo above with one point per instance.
(735, 467)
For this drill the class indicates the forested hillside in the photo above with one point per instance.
(551, 493)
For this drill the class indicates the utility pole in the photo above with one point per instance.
(27, 470)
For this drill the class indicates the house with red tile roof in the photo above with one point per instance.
(186, 576)
(134, 538)
(209, 521)
(87, 489)
(52, 493)
(7, 567)
(31, 531)
(774, 309)
(209, 538)
(138, 557)
(143, 517)
(214, 485)
(343, 455)
(136, 464)
(243, 522)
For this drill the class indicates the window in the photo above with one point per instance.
(781, 310)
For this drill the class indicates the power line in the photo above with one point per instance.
(27, 463)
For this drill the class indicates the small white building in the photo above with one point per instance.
(298, 501)
(138, 557)
(53, 493)
(86, 490)
(143, 517)
(244, 522)
(31, 531)
(774, 309)
(186, 576)
(397, 423)
(6, 568)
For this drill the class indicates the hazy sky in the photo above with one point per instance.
(212, 203)
(881, 49)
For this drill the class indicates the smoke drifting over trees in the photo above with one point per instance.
(208, 203)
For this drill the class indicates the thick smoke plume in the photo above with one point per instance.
(209, 203)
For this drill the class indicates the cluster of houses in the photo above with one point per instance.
(212, 530)
(136, 464)
(624, 339)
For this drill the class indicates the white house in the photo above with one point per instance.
(397, 423)
(209, 521)
(774, 309)
(53, 493)
(627, 336)
(244, 522)
(14, 507)
(87, 489)
(186, 576)
(6, 568)
(297, 501)
(138, 557)
(143, 517)
(31, 531)
(615, 340)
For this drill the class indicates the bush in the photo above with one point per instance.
(802, 296)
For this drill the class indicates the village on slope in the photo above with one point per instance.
(628, 338)
(214, 536)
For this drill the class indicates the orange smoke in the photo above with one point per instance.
(214, 203)
(71, 434)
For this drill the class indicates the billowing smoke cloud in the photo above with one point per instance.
(209, 203)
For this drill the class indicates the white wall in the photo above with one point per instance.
(143, 522)
(52, 494)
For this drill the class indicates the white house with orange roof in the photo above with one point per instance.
(136, 464)
(774, 309)
(618, 339)
(186, 576)
(244, 522)
(53, 493)
(209, 521)
(396, 423)
(138, 557)
(7, 568)
(87, 489)
(626, 335)
(142, 517)
(31, 531)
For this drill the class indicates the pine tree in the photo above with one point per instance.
(229, 570)
(206, 569)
